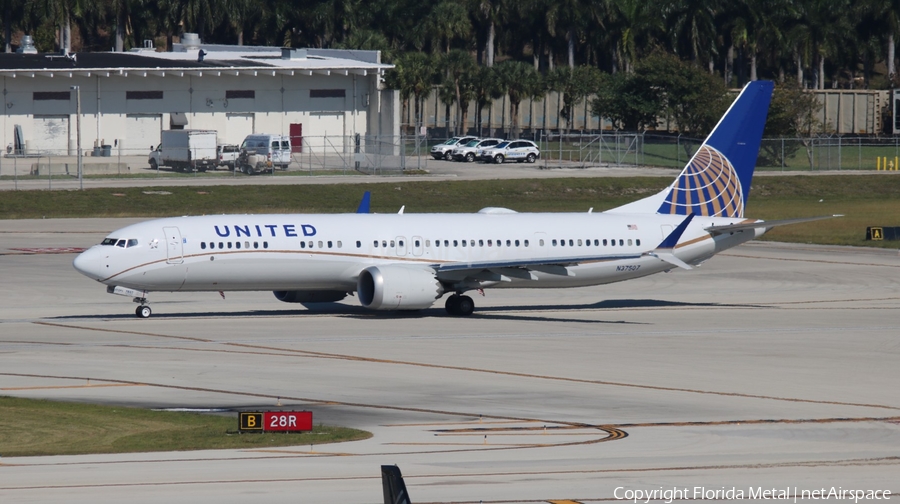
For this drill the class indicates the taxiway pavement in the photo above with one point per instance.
(771, 366)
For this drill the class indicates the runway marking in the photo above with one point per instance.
(430, 424)
(48, 250)
(563, 502)
(820, 261)
(307, 353)
(51, 387)
(408, 477)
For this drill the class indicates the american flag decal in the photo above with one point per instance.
(632, 227)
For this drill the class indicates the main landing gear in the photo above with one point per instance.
(460, 306)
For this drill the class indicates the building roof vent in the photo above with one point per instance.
(27, 45)
(288, 53)
(190, 41)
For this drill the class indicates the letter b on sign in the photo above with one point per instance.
(251, 421)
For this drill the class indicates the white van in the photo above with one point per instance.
(276, 149)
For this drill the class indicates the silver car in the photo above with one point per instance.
(469, 151)
(444, 150)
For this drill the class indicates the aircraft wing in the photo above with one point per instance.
(717, 230)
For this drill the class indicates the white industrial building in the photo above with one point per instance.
(127, 99)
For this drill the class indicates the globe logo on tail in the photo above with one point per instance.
(708, 186)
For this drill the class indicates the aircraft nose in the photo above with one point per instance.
(88, 263)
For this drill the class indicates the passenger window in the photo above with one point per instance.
(604, 242)
(490, 243)
(221, 245)
(596, 243)
(265, 244)
(554, 243)
(320, 243)
(427, 243)
(310, 244)
(358, 244)
(417, 243)
(256, 245)
(384, 243)
(303, 245)
(481, 243)
(621, 243)
(612, 243)
(638, 242)
(237, 244)
(562, 243)
(541, 242)
(446, 243)
(392, 244)
(579, 242)
(376, 243)
(339, 244)
(246, 244)
(400, 244)
(455, 243)
(517, 243)
(526, 243)
(508, 243)
(571, 243)
(329, 243)
(629, 242)
(203, 245)
(464, 243)
(437, 243)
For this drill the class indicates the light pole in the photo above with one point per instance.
(77, 90)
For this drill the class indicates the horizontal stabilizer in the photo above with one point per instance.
(717, 230)
(671, 259)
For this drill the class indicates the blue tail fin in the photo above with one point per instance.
(716, 181)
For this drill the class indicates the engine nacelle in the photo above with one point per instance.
(398, 288)
(311, 296)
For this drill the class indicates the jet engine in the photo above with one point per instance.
(396, 287)
(310, 296)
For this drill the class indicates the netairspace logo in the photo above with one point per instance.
(669, 495)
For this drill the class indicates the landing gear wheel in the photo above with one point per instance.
(465, 306)
(143, 311)
(460, 306)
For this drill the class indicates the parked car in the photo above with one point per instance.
(468, 151)
(515, 150)
(444, 150)
(228, 155)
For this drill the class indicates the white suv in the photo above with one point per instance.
(468, 151)
(511, 150)
(445, 150)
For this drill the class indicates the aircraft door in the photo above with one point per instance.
(417, 246)
(401, 246)
(174, 245)
(666, 230)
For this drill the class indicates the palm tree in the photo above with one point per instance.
(692, 27)
(413, 77)
(486, 88)
(519, 80)
(458, 64)
(574, 86)
(491, 13)
(448, 20)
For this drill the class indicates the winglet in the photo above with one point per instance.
(672, 240)
(393, 486)
(665, 250)
(364, 203)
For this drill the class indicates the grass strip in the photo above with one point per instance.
(865, 200)
(30, 427)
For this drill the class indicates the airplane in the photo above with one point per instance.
(408, 261)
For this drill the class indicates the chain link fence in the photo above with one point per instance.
(384, 155)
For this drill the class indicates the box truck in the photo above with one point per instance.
(186, 150)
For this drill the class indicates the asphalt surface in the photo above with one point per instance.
(770, 367)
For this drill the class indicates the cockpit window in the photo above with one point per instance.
(120, 243)
(109, 241)
(132, 242)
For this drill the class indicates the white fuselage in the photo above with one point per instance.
(328, 252)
